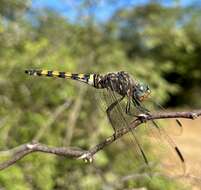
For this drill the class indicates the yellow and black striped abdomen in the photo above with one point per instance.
(86, 78)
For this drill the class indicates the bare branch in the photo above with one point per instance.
(25, 149)
(19, 152)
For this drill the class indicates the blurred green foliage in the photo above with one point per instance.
(156, 44)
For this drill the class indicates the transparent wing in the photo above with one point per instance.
(161, 148)
(165, 148)
(175, 125)
(165, 151)
(118, 119)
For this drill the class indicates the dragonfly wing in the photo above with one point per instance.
(174, 161)
(170, 159)
(175, 127)
(121, 119)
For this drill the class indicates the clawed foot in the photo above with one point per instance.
(87, 157)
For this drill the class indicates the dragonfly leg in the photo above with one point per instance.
(109, 110)
(140, 107)
(128, 107)
(128, 110)
(141, 117)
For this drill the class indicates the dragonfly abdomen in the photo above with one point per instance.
(86, 78)
(118, 82)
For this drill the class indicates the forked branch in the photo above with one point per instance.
(19, 152)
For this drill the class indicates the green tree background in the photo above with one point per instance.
(157, 44)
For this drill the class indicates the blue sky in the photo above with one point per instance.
(103, 11)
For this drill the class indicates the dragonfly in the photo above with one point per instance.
(120, 87)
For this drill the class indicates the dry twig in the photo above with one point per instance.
(25, 149)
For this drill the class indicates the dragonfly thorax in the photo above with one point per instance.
(120, 82)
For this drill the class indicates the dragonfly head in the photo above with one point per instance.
(141, 91)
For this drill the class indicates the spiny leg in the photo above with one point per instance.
(128, 109)
(141, 117)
